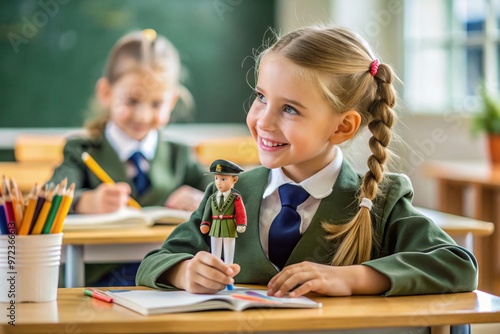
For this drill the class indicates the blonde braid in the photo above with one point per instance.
(357, 235)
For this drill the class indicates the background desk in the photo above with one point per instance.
(74, 242)
(75, 313)
(473, 189)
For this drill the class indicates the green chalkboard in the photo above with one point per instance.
(53, 51)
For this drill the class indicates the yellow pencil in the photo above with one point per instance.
(17, 203)
(57, 227)
(30, 210)
(103, 176)
(42, 217)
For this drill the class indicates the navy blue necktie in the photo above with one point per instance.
(284, 232)
(141, 180)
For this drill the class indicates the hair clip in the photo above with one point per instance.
(149, 34)
(374, 67)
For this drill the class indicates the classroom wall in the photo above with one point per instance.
(53, 51)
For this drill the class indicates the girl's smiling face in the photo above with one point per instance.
(138, 103)
(291, 120)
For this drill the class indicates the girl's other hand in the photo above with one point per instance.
(184, 198)
(204, 273)
(104, 199)
(301, 278)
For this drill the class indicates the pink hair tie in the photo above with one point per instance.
(374, 67)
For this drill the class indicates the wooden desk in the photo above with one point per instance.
(74, 241)
(473, 189)
(465, 231)
(75, 313)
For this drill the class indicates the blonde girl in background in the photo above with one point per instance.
(135, 98)
(355, 234)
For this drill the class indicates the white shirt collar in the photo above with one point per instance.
(225, 193)
(318, 185)
(126, 146)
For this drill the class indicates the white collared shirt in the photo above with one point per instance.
(225, 194)
(126, 146)
(318, 186)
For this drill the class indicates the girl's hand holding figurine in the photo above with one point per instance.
(204, 273)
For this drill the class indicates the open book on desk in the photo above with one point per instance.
(148, 302)
(126, 217)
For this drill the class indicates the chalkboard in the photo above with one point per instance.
(53, 51)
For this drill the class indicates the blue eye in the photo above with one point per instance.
(260, 97)
(290, 110)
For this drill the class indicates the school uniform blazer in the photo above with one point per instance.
(414, 253)
(172, 166)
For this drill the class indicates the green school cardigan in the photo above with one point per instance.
(173, 165)
(414, 253)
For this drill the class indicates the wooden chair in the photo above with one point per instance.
(465, 231)
(240, 150)
(36, 157)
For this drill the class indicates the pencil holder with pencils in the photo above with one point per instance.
(31, 239)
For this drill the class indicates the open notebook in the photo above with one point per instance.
(148, 302)
(126, 217)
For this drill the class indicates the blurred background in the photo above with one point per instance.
(443, 51)
(53, 51)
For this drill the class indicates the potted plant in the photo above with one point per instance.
(488, 121)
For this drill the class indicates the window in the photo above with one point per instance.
(451, 48)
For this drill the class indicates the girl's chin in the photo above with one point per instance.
(138, 134)
(268, 162)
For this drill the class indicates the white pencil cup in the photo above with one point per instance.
(29, 267)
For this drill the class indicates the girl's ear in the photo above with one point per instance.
(347, 127)
(103, 92)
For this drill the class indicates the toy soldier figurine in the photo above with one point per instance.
(224, 213)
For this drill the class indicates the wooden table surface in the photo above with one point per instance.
(132, 235)
(75, 313)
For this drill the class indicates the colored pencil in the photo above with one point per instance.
(29, 212)
(4, 227)
(39, 204)
(103, 176)
(56, 201)
(9, 207)
(17, 203)
(42, 217)
(64, 207)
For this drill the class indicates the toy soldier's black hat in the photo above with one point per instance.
(224, 167)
